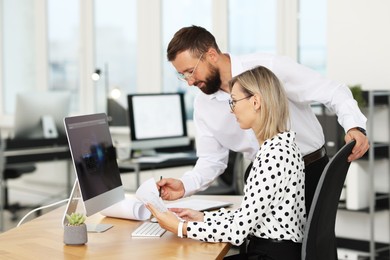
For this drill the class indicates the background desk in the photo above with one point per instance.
(134, 166)
(27, 151)
(42, 238)
(35, 150)
(21, 151)
(231, 182)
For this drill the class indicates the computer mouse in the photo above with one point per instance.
(154, 220)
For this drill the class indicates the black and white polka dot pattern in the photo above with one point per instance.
(273, 205)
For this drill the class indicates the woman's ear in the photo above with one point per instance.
(256, 102)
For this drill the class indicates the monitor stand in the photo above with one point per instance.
(49, 127)
(72, 206)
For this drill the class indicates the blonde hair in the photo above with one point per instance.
(274, 113)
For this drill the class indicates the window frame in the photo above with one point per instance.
(148, 45)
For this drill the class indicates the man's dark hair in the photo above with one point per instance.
(196, 39)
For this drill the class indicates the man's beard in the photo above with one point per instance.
(212, 82)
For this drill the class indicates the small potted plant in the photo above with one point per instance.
(358, 95)
(75, 231)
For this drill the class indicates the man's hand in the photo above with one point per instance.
(188, 214)
(361, 146)
(170, 189)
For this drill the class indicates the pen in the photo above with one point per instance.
(159, 191)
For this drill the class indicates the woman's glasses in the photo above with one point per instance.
(232, 102)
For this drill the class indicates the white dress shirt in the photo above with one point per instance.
(217, 130)
(273, 206)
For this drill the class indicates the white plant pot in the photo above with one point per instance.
(75, 235)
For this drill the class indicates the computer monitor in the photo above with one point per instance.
(157, 121)
(116, 113)
(98, 183)
(41, 114)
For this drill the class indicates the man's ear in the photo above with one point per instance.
(212, 55)
(256, 102)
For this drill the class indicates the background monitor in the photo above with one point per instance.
(116, 113)
(94, 159)
(41, 114)
(157, 121)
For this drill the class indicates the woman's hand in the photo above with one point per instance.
(188, 214)
(167, 220)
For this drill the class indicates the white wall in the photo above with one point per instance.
(359, 42)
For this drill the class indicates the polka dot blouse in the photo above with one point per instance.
(273, 205)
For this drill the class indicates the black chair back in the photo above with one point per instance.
(319, 241)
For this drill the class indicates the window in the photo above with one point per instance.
(63, 50)
(187, 13)
(312, 34)
(43, 56)
(252, 26)
(115, 43)
(19, 57)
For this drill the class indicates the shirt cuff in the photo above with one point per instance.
(189, 186)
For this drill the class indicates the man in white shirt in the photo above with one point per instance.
(195, 55)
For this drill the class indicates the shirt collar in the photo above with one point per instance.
(284, 136)
(219, 96)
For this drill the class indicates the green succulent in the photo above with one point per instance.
(75, 219)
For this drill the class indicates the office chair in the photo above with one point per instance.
(13, 172)
(319, 240)
(230, 182)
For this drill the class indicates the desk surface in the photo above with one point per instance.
(42, 238)
(126, 165)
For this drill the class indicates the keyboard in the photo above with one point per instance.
(148, 229)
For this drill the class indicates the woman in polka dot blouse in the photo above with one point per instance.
(272, 214)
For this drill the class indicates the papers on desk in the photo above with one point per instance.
(134, 208)
(148, 193)
(129, 208)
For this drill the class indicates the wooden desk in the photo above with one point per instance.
(42, 238)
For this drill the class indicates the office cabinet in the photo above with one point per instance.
(376, 201)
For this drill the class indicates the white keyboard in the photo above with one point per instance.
(148, 229)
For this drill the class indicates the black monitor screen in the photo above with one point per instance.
(93, 154)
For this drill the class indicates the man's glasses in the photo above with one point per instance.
(187, 75)
(232, 102)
